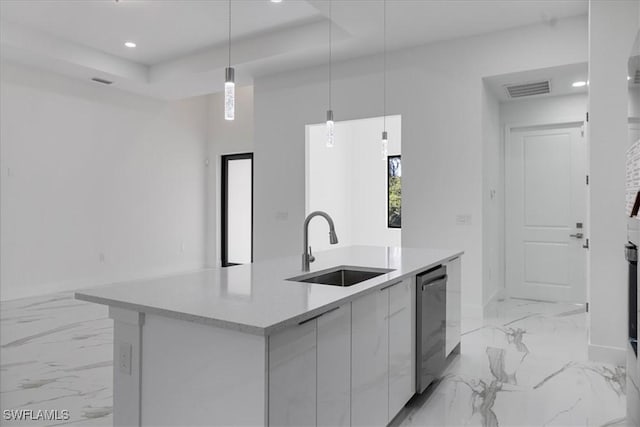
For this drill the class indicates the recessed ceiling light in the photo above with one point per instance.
(276, 1)
(579, 84)
(130, 44)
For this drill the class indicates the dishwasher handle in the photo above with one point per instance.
(434, 280)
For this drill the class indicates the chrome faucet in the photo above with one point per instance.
(307, 256)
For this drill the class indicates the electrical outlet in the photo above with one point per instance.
(464, 219)
(124, 358)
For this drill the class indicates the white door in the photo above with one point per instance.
(545, 183)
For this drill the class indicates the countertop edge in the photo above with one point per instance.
(240, 327)
(252, 329)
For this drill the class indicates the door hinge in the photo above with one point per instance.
(586, 244)
(587, 179)
(587, 116)
(586, 307)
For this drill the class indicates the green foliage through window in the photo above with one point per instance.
(394, 192)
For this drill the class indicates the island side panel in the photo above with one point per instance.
(127, 344)
(195, 374)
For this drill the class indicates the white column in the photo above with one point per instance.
(612, 29)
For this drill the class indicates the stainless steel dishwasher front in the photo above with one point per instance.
(431, 304)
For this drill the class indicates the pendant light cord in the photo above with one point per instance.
(229, 39)
(384, 56)
(330, 53)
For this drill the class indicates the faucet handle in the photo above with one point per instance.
(311, 257)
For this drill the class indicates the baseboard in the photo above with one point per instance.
(498, 294)
(44, 289)
(612, 355)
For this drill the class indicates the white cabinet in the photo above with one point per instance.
(334, 367)
(370, 362)
(401, 345)
(382, 351)
(352, 365)
(453, 316)
(310, 372)
(292, 376)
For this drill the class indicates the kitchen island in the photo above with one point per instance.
(245, 346)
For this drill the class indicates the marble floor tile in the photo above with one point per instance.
(523, 364)
(56, 354)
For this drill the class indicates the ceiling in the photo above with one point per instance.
(182, 44)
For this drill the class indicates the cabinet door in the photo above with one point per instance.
(454, 292)
(292, 376)
(334, 368)
(370, 363)
(401, 345)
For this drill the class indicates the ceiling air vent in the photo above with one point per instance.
(636, 78)
(103, 81)
(529, 89)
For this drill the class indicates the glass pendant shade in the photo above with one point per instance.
(229, 94)
(330, 129)
(385, 145)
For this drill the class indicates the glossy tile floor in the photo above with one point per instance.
(525, 364)
(56, 353)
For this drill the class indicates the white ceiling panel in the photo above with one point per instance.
(181, 44)
(162, 29)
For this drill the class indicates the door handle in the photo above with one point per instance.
(577, 235)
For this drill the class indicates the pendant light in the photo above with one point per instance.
(385, 135)
(229, 82)
(330, 123)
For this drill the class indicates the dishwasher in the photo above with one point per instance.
(431, 307)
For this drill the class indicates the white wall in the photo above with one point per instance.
(612, 30)
(437, 89)
(492, 198)
(97, 185)
(349, 181)
(634, 102)
(225, 137)
(541, 111)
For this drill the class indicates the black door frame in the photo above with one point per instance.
(224, 162)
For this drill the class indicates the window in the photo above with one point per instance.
(237, 209)
(394, 192)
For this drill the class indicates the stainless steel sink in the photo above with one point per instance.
(341, 276)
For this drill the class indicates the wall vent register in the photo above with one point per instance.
(528, 89)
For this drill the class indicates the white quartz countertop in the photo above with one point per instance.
(256, 298)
